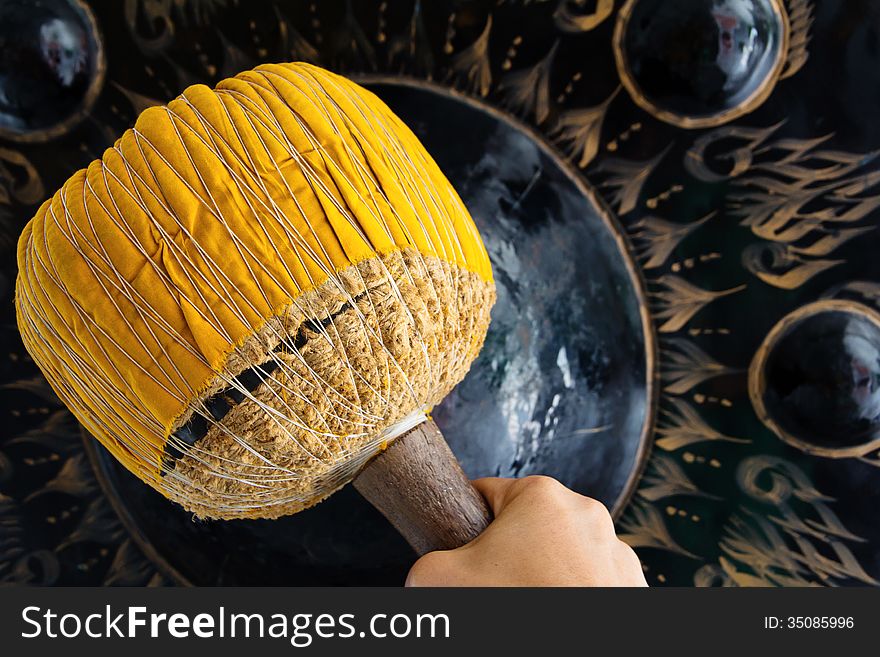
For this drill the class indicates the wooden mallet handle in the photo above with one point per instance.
(419, 486)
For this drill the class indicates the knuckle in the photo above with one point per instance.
(630, 563)
(541, 486)
(628, 554)
(596, 514)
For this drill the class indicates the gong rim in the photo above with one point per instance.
(757, 98)
(107, 477)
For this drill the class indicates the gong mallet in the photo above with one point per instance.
(257, 295)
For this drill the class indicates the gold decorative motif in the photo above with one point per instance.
(130, 568)
(801, 542)
(624, 179)
(151, 22)
(665, 478)
(770, 562)
(794, 194)
(643, 526)
(580, 130)
(684, 365)
(681, 426)
(713, 575)
(755, 100)
(800, 17)
(138, 102)
(72, 479)
(867, 290)
(679, 301)
(758, 379)
(801, 208)
(528, 91)
(12, 545)
(472, 64)
(154, 15)
(785, 268)
(355, 48)
(21, 179)
(655, 201)
(658, 238)
(411, 50)
(775, 209)
(83, 531)
(293, 44)
(736, 160)
(569, 15)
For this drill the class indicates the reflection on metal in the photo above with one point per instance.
(683, 365)
(678, 301)
(758, 95)
(681, 425)
(580, 130)
(867, 451)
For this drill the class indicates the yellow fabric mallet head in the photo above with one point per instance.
(256, 291)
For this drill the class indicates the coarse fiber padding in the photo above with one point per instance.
(252, 288)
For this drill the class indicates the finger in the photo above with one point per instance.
(495, 490)
(629, 566)
(432, 569)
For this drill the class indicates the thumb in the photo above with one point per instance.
(495, 490)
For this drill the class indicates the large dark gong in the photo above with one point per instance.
(562, 387)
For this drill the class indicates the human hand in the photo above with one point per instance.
(543, 534)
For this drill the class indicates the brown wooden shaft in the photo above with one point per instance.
(419, 486)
